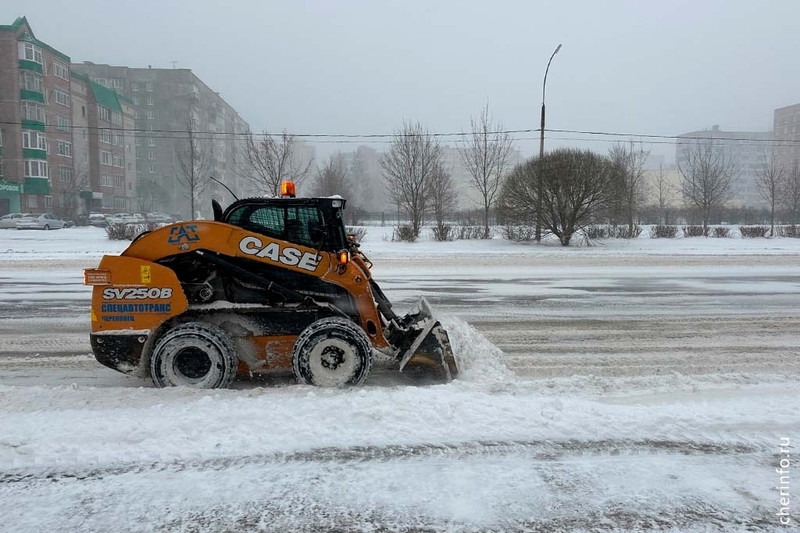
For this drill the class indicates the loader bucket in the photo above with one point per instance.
(430, 355)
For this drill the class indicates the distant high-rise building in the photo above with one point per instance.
(786, 128)
(167, 103)
(746, 149)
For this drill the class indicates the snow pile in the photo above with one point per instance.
(480, 360)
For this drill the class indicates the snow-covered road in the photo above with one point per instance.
(634, 386)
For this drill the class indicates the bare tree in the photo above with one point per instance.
(790, 197)
(192, 155)
(707, 177)
(409, 165)
(629, 182)
(269, 159)
(486, 156)
(70, 205)
(151, 195)
(443, 200)
(664, 193)
(333, 178)
(575, 187)
(769, 183)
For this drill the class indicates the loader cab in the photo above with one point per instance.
(311, 222)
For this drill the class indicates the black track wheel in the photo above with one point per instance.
(332, 352)
(194, 354)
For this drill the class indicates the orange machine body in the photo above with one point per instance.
(135, 295)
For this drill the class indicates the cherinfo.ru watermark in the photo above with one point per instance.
(784, 465)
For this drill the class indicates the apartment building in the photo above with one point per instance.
(64, 145)
(166, 103)
(35, 107)
(104, 132)
(786, 128)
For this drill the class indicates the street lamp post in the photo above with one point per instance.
(541, 150)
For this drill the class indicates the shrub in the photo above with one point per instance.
(443, 232)
(721, 232)
(752, 232)
(117, 232)
(610, 231)
(519, 233)
(597, 232)
(128, 232)
(663, 232)
(472, 232)
(404, 233)
(695, 231)
(623, 232)
(357, 233)
(787, 231)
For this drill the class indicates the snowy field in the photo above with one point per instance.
(640, 385)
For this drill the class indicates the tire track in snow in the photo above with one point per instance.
(539, 450)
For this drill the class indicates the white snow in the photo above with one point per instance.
(632, 385)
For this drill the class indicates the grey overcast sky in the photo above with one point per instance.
(314, 66)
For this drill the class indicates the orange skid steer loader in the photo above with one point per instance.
(271, 284)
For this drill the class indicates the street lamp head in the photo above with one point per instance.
(557, 49)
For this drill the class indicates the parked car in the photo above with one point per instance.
(98, 220)
(138, 218)
(45, 221)
(9, 221)
(158, 218)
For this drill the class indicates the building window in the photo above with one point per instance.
(149, 100)
(105, 180)
(116, 83)
(152, 169)
(64, 173)
(61, 97)
(119, 182)
(35, 168)
(119, 202)
(135, 100)
(106, 158)
(29, 52)
(32, 111)
(149, 87)
(151, 142)
(64, 149)
(118, 161)
(105, 136)
(116, 118)
(104, 113)
(151, 155)
(134, 86)
(151, 115)
(60, 70)
(48, 202)
(138, 141)
(31, 81)
(118, 139)
(34, 140)
(108, 202)
(62, 123)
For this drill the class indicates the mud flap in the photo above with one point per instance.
(430, 355)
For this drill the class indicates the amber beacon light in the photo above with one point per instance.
(287, 189)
